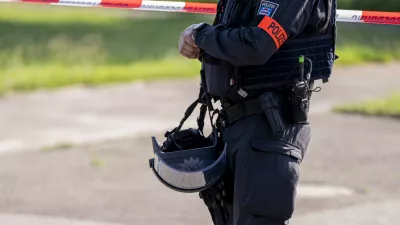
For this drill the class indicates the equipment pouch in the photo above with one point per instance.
(299, 102)
(270, 106)
(218, 74)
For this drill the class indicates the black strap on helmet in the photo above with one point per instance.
(205, 100)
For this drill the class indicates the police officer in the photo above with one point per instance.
(260, 59)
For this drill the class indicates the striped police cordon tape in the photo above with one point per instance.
(374, 17)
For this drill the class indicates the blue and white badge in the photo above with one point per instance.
(267, 8)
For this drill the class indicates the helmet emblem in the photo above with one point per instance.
(192, 164)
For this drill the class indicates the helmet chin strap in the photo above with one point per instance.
(205, 100)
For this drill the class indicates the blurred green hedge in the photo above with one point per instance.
(345, 4)
(382, 5)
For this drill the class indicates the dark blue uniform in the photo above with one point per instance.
(252, 49)
(246, 41)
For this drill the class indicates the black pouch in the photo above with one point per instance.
(270, 104)
(218, 74)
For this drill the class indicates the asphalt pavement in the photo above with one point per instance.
(80, 155)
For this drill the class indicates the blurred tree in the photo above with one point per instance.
(345, 4)
(383, 5)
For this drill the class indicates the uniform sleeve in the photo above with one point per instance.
(275, 22)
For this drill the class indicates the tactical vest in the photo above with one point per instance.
(280, 69)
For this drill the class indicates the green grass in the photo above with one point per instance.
(363, 43)
(56, 147)
(111, 40)
(97, 162)
(44, 46)
(389, 106)
(48, 47)
(27, 78)
(357, 55)
(35, 13)
(384, 5)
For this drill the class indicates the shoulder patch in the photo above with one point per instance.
(267, 8)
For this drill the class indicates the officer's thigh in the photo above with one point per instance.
(266, 170)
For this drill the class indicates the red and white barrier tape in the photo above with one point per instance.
(210, 8)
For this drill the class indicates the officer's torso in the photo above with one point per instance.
(236, 13)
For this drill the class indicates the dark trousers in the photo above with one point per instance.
(262, 173)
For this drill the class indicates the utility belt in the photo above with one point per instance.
(287, 103)
(239, 111)
(281, 108)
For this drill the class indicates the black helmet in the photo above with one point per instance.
(188, 161)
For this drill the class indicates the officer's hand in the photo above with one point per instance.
(187, 47)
